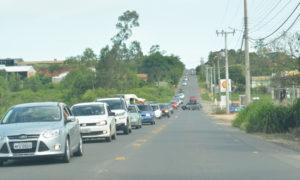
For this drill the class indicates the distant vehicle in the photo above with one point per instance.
(147, 113)
(119, 107)
(165, 110)
(39, 130)
(184, 83)
(170, 108)
(157, 111)
(181, 96)
(96, 120)
(192, 106)
(193, 99)
(131, 99)
(135, 116)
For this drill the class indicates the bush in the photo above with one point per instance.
(263, 116)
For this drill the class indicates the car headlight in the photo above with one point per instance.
(51, 133)
(101, 123)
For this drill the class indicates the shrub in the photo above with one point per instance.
(263, 116)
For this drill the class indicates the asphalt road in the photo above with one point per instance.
(187, 146)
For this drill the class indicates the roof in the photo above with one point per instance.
(38, 104)
(18, 68)
(89, 103)
(103, 99)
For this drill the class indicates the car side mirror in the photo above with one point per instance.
(71, 119)
(111, 114)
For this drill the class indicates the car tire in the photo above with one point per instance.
(108, 139)
(79, 151)
(126, 130)
(114, 137)
(67, 155)
(1, 162)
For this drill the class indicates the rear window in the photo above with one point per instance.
(132, 109)
(114, 104)
(145, 107)
(88, 110)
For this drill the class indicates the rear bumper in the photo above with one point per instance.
(148, 120)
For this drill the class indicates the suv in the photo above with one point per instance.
(118, 106)
(96, 120)
(38, 130)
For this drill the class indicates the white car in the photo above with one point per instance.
(118, 106)
(157, 110)
(184, 83)
(96, 120)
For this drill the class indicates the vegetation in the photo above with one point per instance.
(267, 117)
(92, 76)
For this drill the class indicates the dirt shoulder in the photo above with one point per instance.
(286, 140)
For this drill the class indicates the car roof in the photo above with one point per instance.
(89, 103)
(103, 99)
(33, 104)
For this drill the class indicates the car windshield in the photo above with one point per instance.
(32, 114)
(132, 109)
(155, 107)
(88, 110)
(163, 106)
(114, 103)
(145, 107)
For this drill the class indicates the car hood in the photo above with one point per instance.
(118, 111)
(91, 119)
(28, 128)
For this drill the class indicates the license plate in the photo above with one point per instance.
(86, 130)
(23, 145)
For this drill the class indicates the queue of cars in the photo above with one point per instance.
(52, 129)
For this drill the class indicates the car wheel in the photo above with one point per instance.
(108, 139)
(126, 130)
(1, 162)
(67, 154)
(79, 151)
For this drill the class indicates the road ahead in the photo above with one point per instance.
(189, 145)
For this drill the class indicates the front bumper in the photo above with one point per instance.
(146, 119)
(40, 147)
(90, 132)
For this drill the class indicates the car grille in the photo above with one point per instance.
(92, 133)
(4, 149)
(32, 150)
(43, 147)
(88, 124)
(24, 136)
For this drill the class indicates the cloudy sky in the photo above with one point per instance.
(49, 29)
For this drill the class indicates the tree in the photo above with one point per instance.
(126, 22)
(88, 57)
(78, 81)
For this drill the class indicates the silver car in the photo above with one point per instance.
(135, 116)
(39, 130)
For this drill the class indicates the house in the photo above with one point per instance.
(143, 77)
(60, 77)
(258, 81)
(22, 71)
(10, 62)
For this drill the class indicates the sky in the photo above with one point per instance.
(56, 29)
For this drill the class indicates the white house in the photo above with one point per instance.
(59, 78)
(23, 71)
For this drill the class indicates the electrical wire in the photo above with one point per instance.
(271, 19)
(268, 13)
(281, 25)
(284, 33)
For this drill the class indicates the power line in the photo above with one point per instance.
(269, 12)
(284, 33)
(272, 18)
(281, 24)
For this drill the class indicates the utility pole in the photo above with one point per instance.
(214, 78)
(247, 61)
(225, 34)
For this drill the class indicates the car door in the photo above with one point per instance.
(111, 119)
(70, 127)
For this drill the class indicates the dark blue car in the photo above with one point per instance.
(147, 114)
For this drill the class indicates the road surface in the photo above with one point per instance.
(189, 145)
